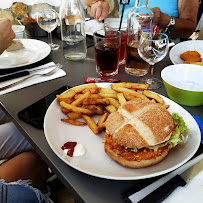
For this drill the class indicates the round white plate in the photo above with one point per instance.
(34, 51)
(191, 45)
(96, 162)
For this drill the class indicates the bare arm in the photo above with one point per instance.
(99, 8)
(185, 24)
(6, 34)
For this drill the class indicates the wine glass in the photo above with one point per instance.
(48, 21)
(152, 48)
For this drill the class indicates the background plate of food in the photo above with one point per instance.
(24, 52)
(187, 52)
(93, 160)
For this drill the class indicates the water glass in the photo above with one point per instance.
(107, 52)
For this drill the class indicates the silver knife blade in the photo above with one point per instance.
(29, 70)
(143, 193)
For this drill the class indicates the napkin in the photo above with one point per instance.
(34, 80)
(191, 192)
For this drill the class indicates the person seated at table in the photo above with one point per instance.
(6, 34)
(23, 173)
(184, 12)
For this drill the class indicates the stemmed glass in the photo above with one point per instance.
(48, 21)
(152, 48)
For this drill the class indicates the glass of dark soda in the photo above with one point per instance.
(111, 28)
(107, 52)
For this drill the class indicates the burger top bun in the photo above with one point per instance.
(139, 123)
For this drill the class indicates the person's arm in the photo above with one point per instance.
(185, 24)
(6, 34)
(99, 9)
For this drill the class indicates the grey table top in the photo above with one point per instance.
(84, 187)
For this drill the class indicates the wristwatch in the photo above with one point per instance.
(170, 26)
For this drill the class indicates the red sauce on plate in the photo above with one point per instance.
(70, 146)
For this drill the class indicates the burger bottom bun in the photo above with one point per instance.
(134, 164)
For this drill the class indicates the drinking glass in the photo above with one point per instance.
(152, 48)
(107, 50)
(48, 21)
(111, 28)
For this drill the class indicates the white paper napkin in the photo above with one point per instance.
(191, 192)
(34, 80)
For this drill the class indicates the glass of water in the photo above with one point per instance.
(48, 21)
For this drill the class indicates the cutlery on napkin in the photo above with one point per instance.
(163, 187)
(22, 73)
(34, 80)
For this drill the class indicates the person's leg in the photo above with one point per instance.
(26, 166)
(12, 142)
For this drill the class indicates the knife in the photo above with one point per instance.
(163, 187)
(22, 73)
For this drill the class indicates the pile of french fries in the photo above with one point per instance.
(88, 100)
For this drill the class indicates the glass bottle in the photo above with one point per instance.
(73, 35)
(140, 18)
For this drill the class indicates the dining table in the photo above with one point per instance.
(84, 187)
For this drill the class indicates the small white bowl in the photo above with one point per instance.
(184, 83)
(19, 31)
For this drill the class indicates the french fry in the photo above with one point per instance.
(81, 99)
(92, 96)
(74, 116)
(130, 96)
(164, 105)
(106, 90)
(67, 100)
(111, 108)
(76, 109)
(153, 95)
(102, 126)
(73, 122)
(102, 119)
(92, 90)
(114, 102)
(64, 110)
(81, 88)
(96, 101)
(108, 95)
(91, 123)
(97, 109)
(130, 85)
(70, 94)
(121, 98)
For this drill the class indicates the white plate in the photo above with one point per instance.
(34, 51)
(191, 45)
(96, 162)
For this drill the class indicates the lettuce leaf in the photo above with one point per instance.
(179, 130)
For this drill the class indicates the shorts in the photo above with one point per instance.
(21, 192)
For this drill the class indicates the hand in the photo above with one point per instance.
(100, 10)
(157, 15)
(6, 34)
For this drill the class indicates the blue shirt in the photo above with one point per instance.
(169, 7)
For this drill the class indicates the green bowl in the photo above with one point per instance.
(184, 83)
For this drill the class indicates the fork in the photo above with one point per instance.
(58, 66)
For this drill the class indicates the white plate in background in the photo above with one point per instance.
(191, 45)
(96, 162)
(33, 51)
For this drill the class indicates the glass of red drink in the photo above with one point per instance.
(107, 51)
(111, 28)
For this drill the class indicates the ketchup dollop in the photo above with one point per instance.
(70, 146)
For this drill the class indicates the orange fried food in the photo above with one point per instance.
(191, 56)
